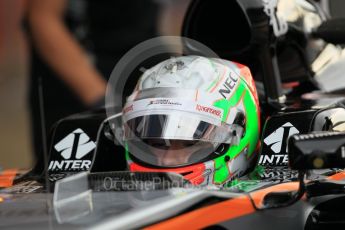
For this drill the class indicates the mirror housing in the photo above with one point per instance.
(317, 150)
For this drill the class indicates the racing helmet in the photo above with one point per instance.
(195, 116)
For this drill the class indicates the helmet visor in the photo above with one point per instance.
(179, 126)
(175, 139)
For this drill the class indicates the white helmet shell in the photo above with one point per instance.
(190, 72)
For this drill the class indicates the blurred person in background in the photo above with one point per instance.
(14, 135)
(74, 46)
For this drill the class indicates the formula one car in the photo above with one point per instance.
(297, 184)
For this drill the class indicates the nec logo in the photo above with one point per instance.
(72, 148)
(228, 85)
(277, 142)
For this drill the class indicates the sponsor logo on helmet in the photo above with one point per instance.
(163, 102)
(72, 149)
(209, 110)
(229, 85)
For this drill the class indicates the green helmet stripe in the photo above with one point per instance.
(251, 135)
